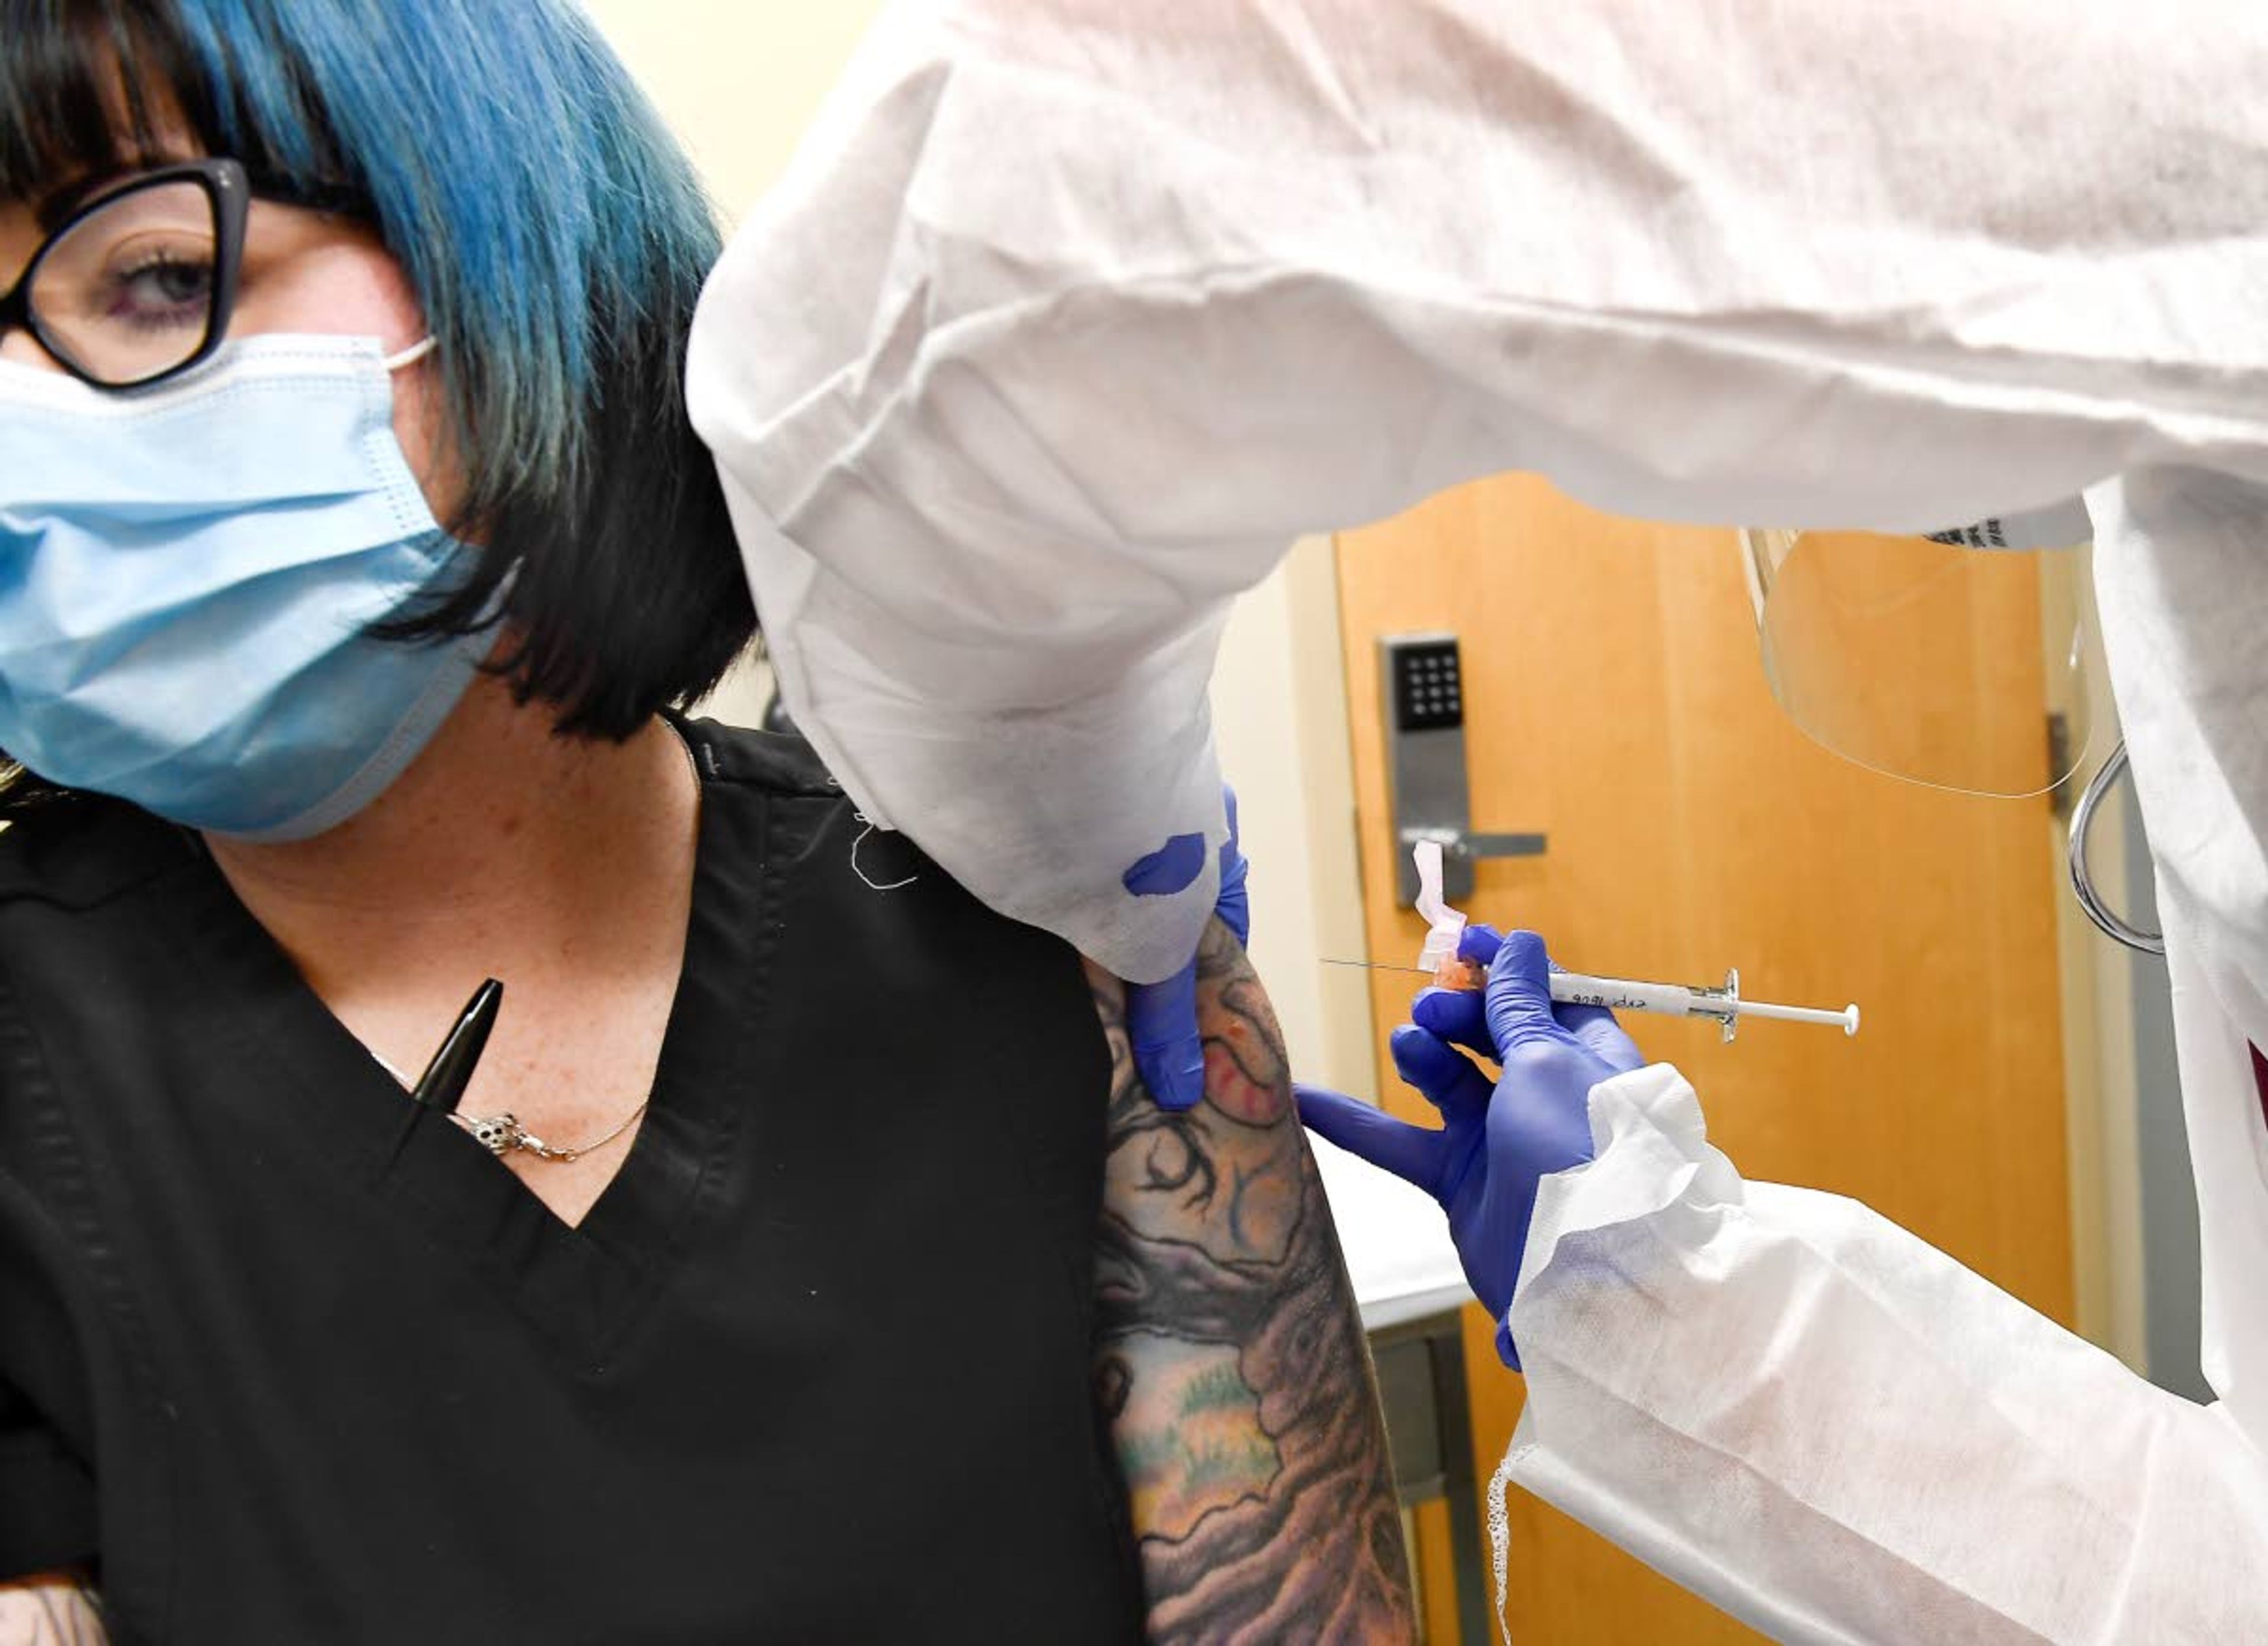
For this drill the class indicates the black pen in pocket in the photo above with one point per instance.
(442, 1086)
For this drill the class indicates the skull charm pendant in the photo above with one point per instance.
(498, 1134)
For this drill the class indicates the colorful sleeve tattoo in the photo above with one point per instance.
(1230, 1360)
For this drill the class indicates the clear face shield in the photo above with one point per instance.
(1892, 651)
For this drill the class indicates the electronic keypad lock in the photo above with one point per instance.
(1423, 680)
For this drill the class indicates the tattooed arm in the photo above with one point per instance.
(1230, 1360)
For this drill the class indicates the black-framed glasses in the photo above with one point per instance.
(136, 285)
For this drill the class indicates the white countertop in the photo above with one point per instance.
(1395, 1239)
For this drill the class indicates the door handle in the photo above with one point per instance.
(1423, 678)
(1473, 848)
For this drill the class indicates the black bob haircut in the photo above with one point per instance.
(553, 234)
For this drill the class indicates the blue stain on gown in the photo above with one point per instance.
(1173, 867)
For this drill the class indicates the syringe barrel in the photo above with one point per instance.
(1621, 994)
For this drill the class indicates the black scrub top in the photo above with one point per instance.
(291, 1359)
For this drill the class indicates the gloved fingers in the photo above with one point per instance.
(1459, 1015)
(1234, 904)
(1506, 1350)
(1161, 1028)
(1519, 1006)
(1594, 1025)
(1445, 1074)
(1600, 1033)
(1412, 1153)
(1478, 942)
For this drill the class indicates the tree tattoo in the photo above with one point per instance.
(1231, 1362)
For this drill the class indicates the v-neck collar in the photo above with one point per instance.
(587, 1284)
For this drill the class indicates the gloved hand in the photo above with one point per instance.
(1161, 1018)
(1497, 1140)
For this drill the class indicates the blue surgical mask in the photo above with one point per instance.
(187, 578)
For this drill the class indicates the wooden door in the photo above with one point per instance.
(1615, 700)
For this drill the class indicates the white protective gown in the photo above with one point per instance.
(1071, 313)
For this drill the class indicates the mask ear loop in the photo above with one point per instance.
(412, 354)
(873, 885)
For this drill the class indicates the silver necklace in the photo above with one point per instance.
(503, 1134)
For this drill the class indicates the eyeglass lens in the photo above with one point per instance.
(128, 290)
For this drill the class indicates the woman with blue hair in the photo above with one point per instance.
(355, 555)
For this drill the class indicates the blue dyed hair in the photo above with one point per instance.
(554, 235)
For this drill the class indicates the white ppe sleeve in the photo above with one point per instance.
(1071, 314)
(1836, 1433)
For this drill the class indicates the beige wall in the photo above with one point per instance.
(739, 80)
(1279, 712)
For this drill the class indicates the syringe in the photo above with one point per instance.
(1673, 1000)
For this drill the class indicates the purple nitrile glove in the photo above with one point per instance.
(1462, 1014)
(1497, 1139)
(1161, 1018)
